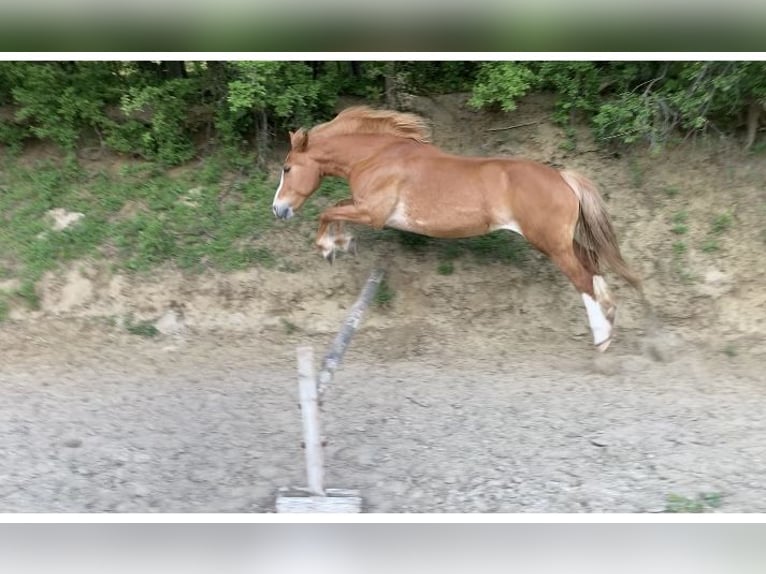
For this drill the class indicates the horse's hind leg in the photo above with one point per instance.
(595, 295)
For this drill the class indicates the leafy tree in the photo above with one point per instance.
(170, 111)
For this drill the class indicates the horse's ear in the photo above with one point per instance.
(299, 140)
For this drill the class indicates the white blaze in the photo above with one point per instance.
(281, 182)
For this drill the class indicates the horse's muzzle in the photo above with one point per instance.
(282, 211)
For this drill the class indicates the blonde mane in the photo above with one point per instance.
(366, 120)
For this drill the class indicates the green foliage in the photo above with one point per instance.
(630, 102)
(710, 245)
(412, 241)
(575, 83)
(12, 136)
(437, 77)
(138, 219)
(286, 88)
(28, 293)
(141, 328)
(446, 268)
(721, 222)
(627, 118)
(671, 191)
(502, 84)
(679, 223)
(166, 137)
(289, 326)
(703, 502)
(730, 350)
(385, 295)
(164, 111)
(497, 246)
(58, 100)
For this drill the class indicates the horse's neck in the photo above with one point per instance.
(339, 154)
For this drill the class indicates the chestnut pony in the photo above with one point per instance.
(399, 180)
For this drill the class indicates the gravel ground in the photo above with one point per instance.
(106, 423)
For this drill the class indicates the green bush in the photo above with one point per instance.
(502, 84)
(167, 111)
(59, 100)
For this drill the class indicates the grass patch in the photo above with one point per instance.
(385, 295)
(704, 502)
(671, 191)
(4, 308)
(289, 326)
(413, 241)
(331, 191)
(496, 246)
(679, 223)
(141, 328)
(722, 222)
(679, 247)
(139, 217)
(636, 172)
(445, 268)
(28, 293)
(730, 350)
(710, 245)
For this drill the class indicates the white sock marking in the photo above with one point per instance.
(599, 324)
(599, 287)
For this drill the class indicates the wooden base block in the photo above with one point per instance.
(336, 500)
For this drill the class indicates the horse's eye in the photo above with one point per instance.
(286, 168)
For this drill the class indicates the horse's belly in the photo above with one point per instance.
(439, 221)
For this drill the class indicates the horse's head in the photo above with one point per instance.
(300, 178)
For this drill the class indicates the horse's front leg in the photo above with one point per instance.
(331, 235)
(343, 241)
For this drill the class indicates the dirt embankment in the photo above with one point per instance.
(691, 219)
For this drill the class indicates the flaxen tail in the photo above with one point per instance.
(594, 232)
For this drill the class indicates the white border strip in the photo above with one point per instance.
(199, 518)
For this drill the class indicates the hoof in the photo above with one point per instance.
(352, 247)
(604, 345)
(330, 257)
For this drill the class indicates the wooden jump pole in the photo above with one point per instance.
(334, 355)
(312, 440)
(315, 497)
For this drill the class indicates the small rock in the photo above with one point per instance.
(171, 323)
(63, 218)
(716, 283)
(73, 443)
